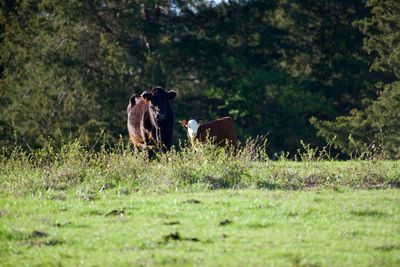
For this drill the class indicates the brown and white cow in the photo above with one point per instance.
(150, 119)
(220, 131)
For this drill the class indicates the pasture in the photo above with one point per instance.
(76, 207)
(221, 228)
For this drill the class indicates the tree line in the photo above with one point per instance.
(317, 71)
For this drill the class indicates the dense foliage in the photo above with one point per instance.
(68, 67)
(375, 129)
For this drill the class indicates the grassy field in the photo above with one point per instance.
(75, 207)
(219, 228)
(87, 172)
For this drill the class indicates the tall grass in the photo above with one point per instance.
(88, 172)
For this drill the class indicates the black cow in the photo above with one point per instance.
(150, 119)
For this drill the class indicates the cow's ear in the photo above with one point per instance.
(134, 99)
(146, 96)
(183, 123)
(171, 95)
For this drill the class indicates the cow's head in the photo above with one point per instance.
(157, 99)
(183, 123)
(192, 127)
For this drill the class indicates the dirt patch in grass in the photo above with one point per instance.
(387, 247)
(115, 213)
(37, 234)
(192, 201)
(40, 243)
(225, 222)
(175, 236)
(258, 225)
(38, 238)
(172, 223)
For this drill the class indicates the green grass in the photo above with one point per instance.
(208, 168)
(76, 207)
(217, 228)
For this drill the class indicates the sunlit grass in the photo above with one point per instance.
(89, 172)
(218, 228)
(72, 206)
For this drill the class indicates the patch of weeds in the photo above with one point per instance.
(394, 183)
(351, 234)
(165, 215)
(106, 186)
(78, 225)
(38, 238)
(64, 224)
(39, 243)
(373, 181)
(171, 261)
(268, 184)
(310, 211)
(258, 225)
(87, 195)
(63, 209)
(290, 180)
(93, 213)
(187, 177)
(368, 213)
(224, 236)
(61, 179)
(12, 235)
(57, 195)
(318, 199)
(215, 183)
(311, 181)
(298, 261)
(129, 249)
(230, 176)
(387, 247)
(123, 191)
(292, 214)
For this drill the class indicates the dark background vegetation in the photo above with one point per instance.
(318, 71)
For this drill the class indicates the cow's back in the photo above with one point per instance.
(219, 131)
(137, 117)
(142, 130)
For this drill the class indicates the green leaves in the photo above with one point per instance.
(375, 129)
(71, 66)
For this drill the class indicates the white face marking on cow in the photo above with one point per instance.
(192, 126)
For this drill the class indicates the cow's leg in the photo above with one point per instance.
(139, 143)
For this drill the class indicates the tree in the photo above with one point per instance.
(376, 128)
(70, 66)
(260, 57)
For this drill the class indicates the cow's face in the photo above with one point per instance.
(192, 127)
(157, 99)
